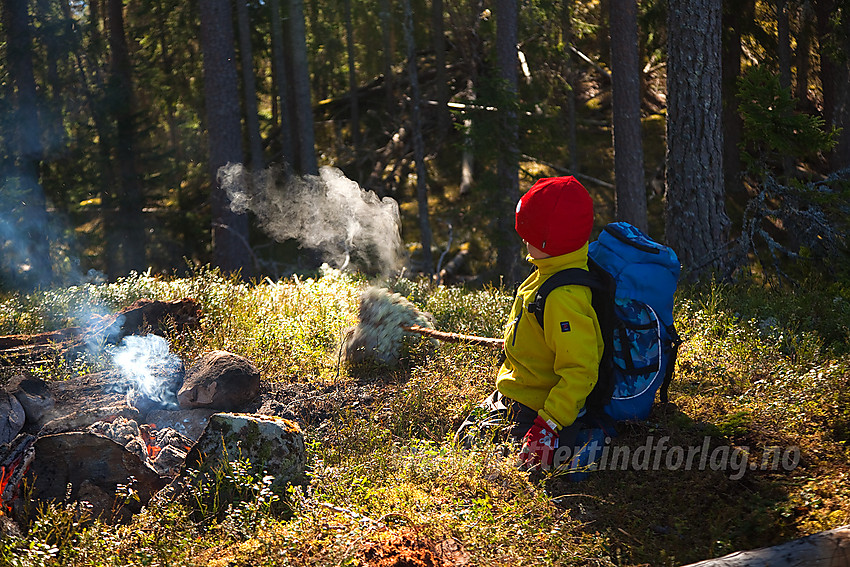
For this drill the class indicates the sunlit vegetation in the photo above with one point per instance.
(761, 369)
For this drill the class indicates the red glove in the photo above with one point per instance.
(538, 445)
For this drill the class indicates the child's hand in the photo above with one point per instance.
(538, 445)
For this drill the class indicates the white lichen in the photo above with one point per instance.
(380, 334)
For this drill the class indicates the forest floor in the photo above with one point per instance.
(760, 399)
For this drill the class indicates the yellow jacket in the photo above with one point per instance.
(552, 374)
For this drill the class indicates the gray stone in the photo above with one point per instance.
(273, 444)
(86, 460)
(12, 417)
(219, 380)
(35, 397)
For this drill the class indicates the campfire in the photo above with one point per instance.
(136, 423)
(162, 449)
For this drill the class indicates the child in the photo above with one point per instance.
(548, 372)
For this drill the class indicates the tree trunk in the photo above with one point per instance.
(129, 192)
(783, 38)
(783, 42)
(444, 117)
(319, 84)
(467, 160)
(249, 87)
(386, 42)
(508, 243)
(840, 157)
(221, 93)
(51, 31)
(27, 261)
(571, 82)
(352, 79)
(630, 195)
(465, 22)
(804, 46)
(733, 18)
(696, 221)
(823, 14)
(825, 549)
(168, 69)
(287, 146)
(418, 144)
(301, 88)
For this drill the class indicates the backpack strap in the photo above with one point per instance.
(570, 276)
(675, 341)
(602, 285)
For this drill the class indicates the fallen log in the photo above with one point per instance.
(142, 316)
(824, 549)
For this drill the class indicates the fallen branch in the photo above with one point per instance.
(602, 70)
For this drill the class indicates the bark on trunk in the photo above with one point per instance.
(301, 88)
(508, 249)
(697, 225)
(352, 79)
(128, 196)
(823, 14)
(386, 42)
(783, 38)
(221, 93)
(439, 42)
(279, 72)
(804, 45)
(630, 195)
(418, 144)
(249, 87)
(840, 157)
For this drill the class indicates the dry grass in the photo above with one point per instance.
(754, 372)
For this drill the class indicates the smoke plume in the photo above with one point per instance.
(329, 213)
(147, 362)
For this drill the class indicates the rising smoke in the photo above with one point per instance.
(149, 365)
(349, 225)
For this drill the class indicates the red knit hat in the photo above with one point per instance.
(556, 215)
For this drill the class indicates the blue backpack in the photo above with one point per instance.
(633, 280)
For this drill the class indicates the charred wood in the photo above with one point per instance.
(144, 315)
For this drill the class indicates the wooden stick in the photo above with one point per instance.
(456, 337)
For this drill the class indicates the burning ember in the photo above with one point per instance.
(15, 460)
(147, 442)
(71, 439)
